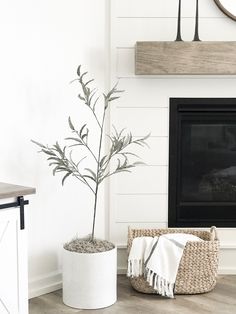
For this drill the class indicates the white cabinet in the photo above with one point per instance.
(13, 264)
(13, 250)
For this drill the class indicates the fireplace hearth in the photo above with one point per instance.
(202, 162)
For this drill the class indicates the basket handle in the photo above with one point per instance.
(214, 234)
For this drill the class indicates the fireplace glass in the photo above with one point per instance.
(208, 161)
(202, 162)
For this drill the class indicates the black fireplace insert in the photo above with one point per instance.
(202, 162)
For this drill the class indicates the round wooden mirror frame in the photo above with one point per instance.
(223, 9)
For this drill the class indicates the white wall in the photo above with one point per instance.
(140, 199)
(42, 43)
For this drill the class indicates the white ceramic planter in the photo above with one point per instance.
(89, 279)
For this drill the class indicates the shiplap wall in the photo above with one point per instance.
(140, 199)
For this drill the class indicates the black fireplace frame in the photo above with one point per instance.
(185, 214)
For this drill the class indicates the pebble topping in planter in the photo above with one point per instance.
(86, 245)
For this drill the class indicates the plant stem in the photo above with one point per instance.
(94, 210)
(97, 179)
(95, 117)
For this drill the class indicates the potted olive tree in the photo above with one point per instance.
(89, 264)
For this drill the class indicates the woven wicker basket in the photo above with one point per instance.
(198, 266)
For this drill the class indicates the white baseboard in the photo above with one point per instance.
(45, 284)
(227, 271)
(121, 271)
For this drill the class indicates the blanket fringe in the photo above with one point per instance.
(159, 284)
(135, 268)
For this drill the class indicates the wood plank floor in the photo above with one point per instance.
(222, 300)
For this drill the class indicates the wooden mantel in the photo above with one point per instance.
(185, 58)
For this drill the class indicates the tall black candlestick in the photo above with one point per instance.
(178, 37)
(196, 35)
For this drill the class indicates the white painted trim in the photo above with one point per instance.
(227, 271)
(121, 271)
(122, 246)
(45, 284)
(228, 246)
(44, 290)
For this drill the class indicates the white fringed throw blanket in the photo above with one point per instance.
(158, 260)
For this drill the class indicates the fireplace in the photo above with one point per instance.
(202, 162)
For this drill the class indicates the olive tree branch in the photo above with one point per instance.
(88, 94)
(57, 158)
(119, 144)
(82, 137)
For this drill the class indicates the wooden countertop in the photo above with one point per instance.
(11, 190)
